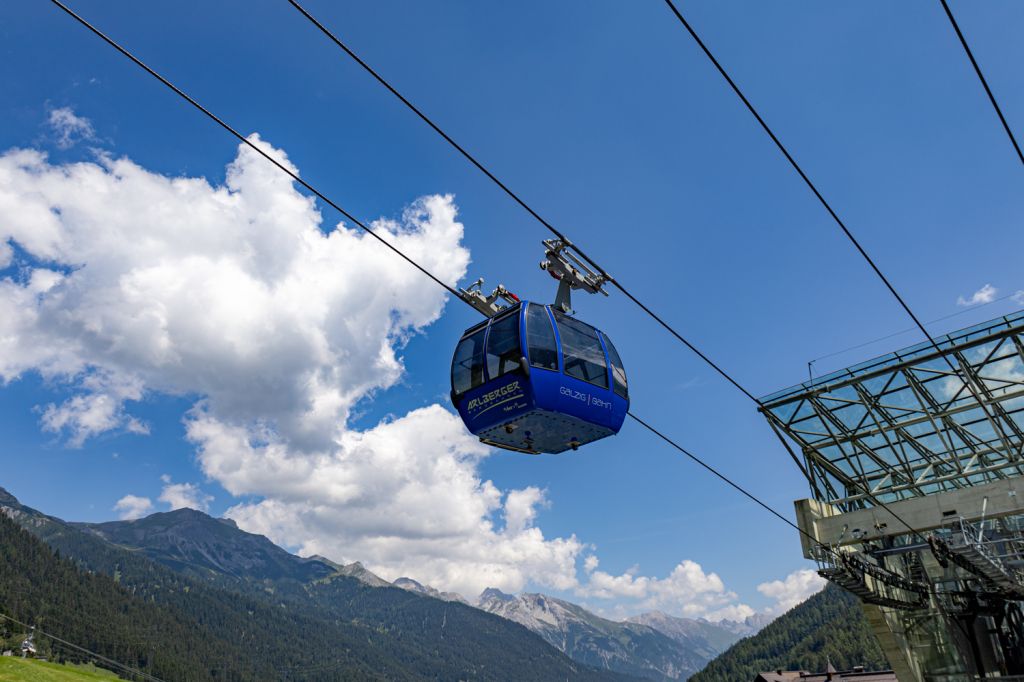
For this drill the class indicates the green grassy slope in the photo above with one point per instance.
(28, 670)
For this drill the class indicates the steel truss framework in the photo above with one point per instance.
(915, 422)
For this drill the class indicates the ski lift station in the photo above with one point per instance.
(915, 461)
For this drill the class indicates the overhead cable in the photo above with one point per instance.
(785, 152)
(519, 200)
(450, 289)
(241, 138)
(800, 171)
(100, 657)
(835, 217)
(345, 48)
(284, 169)
(970, 309)
(984, 83)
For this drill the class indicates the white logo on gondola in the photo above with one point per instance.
(585, 397)
(506, 390)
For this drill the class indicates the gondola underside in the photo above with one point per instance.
(539, 431)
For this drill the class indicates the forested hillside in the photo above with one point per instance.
(439, 639)
(829, 626)
(326, 630)
(39, 587)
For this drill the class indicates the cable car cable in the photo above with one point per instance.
(255, 148)
(516, 198)
(984, 83)
(451, 290)
(1016, 294)
(846, 231)
(720, 475)
(128, 669)
(138, 62)
(785, 152)
(312, 189)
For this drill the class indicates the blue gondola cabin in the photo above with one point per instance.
(533, 379)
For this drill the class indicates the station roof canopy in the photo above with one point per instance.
(922, 420)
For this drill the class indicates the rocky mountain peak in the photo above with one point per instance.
(414, 586)
(633, 647)
(8, 499)
(324, 560)
(494, 593)
(748, 626)
(190, 540)
(361, 573)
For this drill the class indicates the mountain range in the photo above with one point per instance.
(665, 648)
(183, 596)
(203, 551)
(653, 646)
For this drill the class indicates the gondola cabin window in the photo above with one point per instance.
(618, 372)
(582, 354)
(540, 338)
(503, 352)
(468, 366)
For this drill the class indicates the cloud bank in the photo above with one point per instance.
(136, 283)
(128, 283)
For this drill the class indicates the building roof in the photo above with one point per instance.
(921, 421)
(856, 675)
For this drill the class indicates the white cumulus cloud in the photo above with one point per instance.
(404, 498)
(133, 506)
(986, 294)
(70, 128)
(101, 409)
(688, 591)
(521, 508)
(232, 293)
(791, 590)
(235, 294)
(183, 495)
(138, 283)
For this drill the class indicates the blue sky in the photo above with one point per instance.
(608, 120)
